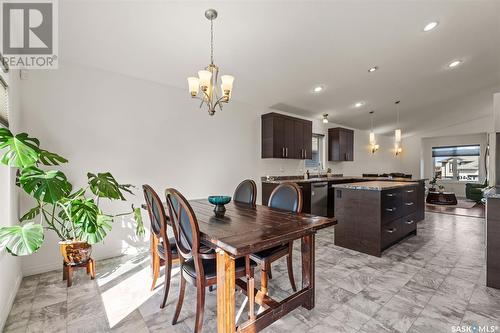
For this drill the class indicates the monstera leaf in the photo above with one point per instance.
(22, 151)
(105, 185)
(31, 214)
(21, 240)
(47, 186)
(139, 228)
(48, 158)
(84, 214)
(103, 227)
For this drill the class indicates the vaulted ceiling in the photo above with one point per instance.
(278, 51)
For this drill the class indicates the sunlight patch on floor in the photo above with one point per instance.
(127, 295)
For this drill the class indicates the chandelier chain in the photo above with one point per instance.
(212, 41)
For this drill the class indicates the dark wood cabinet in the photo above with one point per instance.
(286, 137)
(372, 221)
(492, 242)
(340, 144)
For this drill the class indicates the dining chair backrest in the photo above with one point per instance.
(286, 196)
(184, 224)
(246, 192)
(156, 211)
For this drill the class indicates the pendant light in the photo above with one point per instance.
(325, 118)
(373, 143)
(397, 133)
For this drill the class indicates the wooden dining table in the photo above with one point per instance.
(245, 230)
(248, 229)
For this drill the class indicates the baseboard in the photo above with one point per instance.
(4, 312)
(57, 264)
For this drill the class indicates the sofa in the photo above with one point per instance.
(474, 191)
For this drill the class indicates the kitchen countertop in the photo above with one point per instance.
(374, 185)
(493, 192)
(343, 178)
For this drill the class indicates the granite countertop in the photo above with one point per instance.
(374, 185)
(334, 178)
(492, 192)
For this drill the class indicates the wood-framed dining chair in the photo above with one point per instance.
(163, 250)
(198, 262)
(287, 197)
(246, 192)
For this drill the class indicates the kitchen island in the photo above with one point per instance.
(318, 192)
(374, 215)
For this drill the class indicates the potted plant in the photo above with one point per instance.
(432, 184)
(441, 188)
(73, 214)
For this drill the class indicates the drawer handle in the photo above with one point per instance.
(410, 222)
(410, 191)
(391, 231)
(390, 194)
(391, 209)
(409, 203)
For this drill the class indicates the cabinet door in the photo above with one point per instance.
(278, 137)
(343, 145)
(289, 138)
(350, 145)
(307, 140)
(298, 151)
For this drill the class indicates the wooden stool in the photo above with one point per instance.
(68, 270)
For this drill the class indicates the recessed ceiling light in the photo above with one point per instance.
(359, 104)
(318, 88)
(373, 69)
(454, 63)
(431, 25)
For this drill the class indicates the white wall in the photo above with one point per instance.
(144, 132)
(10, 266)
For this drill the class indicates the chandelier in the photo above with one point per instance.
(206, 86)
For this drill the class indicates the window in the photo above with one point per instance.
(317, 152)
(457, 162)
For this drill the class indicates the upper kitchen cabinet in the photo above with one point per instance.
(340, 144)
(286, 137)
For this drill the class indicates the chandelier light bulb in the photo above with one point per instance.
(194, 86)
(205, 77)
(227, 84)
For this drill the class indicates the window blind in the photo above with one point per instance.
(4, 103)
(470, 150)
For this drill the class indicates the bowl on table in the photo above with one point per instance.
(219, 201)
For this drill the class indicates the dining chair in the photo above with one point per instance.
(163, 250)
(287, 197)
(246, 192)
(198, 261)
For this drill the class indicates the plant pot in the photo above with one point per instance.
(75, 252)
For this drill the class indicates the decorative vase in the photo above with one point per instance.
(75, 252)
(219, 201)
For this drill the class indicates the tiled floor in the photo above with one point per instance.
(427, 283)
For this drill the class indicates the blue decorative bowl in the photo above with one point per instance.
(219, 201)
